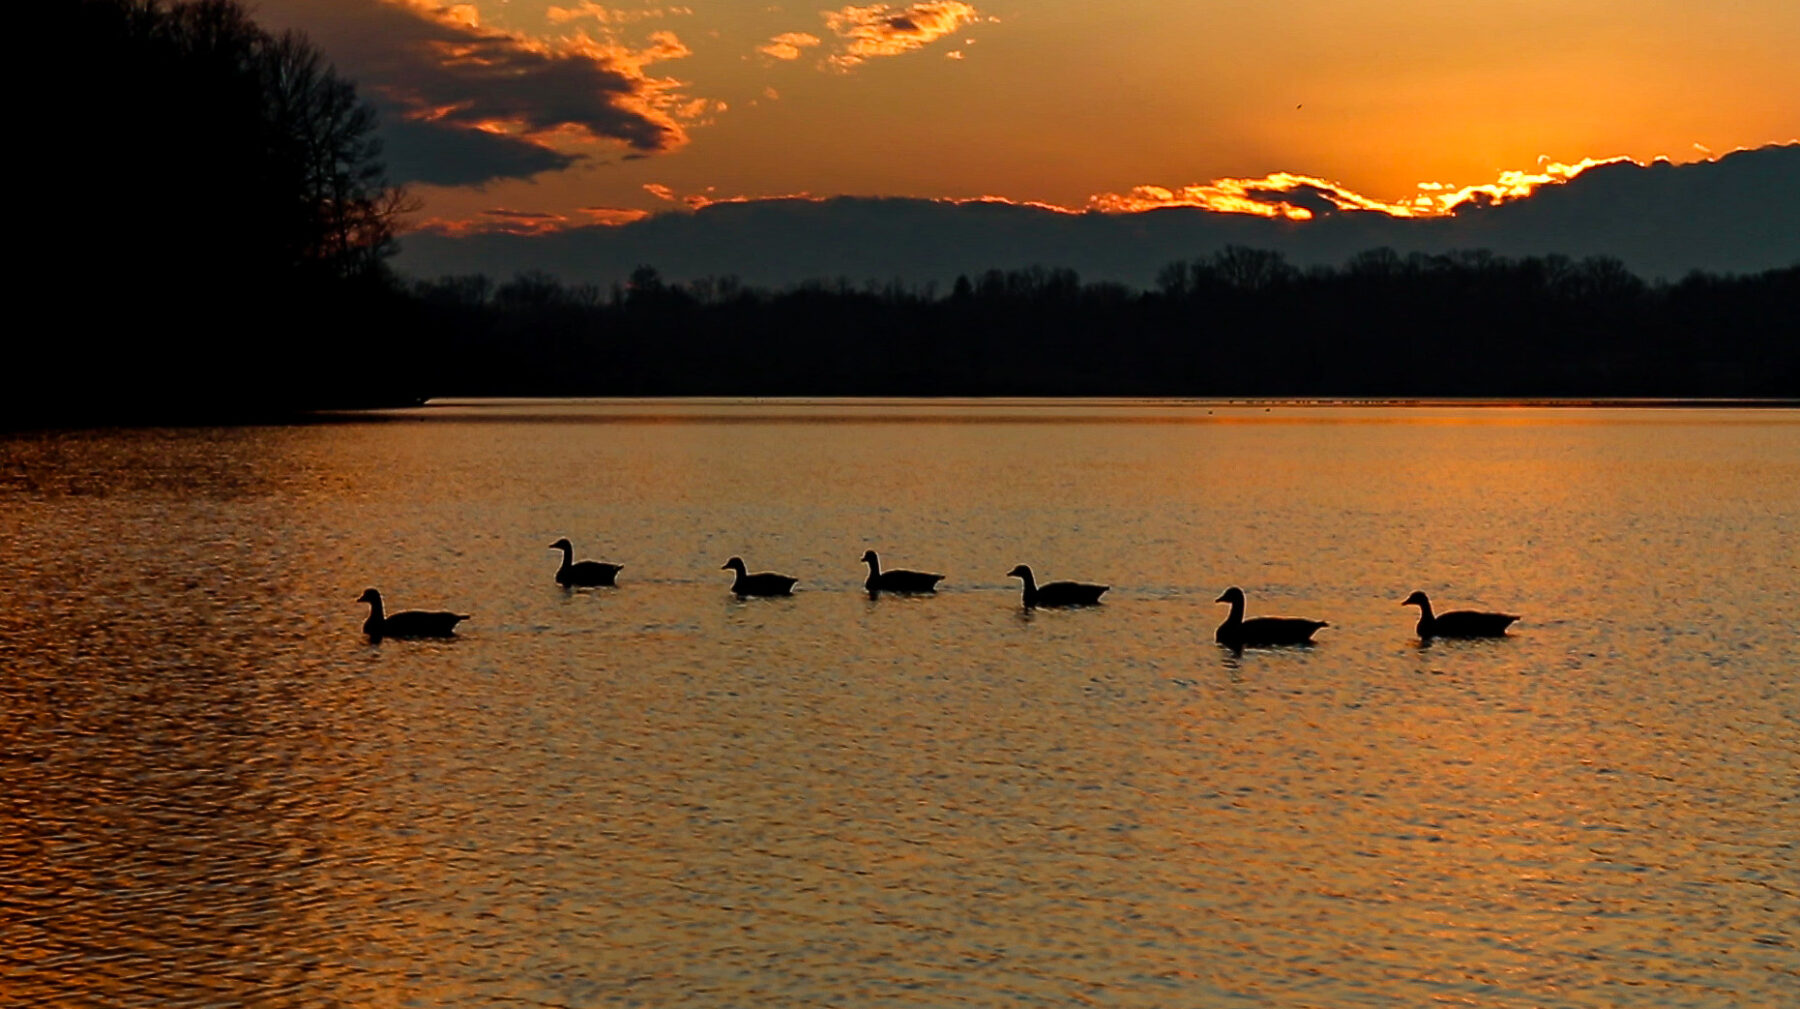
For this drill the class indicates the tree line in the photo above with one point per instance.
(1238, 322)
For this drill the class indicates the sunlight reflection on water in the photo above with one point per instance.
(217, 793)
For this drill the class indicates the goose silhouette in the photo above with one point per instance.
(896, 581)
(1261, 632)
(407, 623)
(1057, 593)
(760, 584)
(582, 573)
(1457, 623)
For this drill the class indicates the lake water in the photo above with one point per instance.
(217, 792)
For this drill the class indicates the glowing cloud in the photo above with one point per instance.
(1007, 201)
(528, 223)
(787, 45)
(614, 217)
(466, 15)
(880, 30)
(1303, 197)
(1517, 185)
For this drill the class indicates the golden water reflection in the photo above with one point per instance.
(217, 793)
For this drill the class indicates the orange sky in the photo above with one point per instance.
(1066, 102)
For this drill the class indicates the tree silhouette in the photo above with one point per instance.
(215, 219)
(348, 212)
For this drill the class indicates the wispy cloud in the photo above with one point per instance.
(587, 10)
(496, 221)
(880, 30)
(788, 45)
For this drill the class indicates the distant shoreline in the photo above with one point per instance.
(421, 411)
(511, 407)
(1594, 402)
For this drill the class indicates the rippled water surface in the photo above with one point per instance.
(215, 791)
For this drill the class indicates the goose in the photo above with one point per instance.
(896, 581)
(760, 584)
(1457, 623)
(1259, 632)
(1057, 593)
(575, 572)
(407, 623)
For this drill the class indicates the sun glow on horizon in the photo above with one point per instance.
(1270, 195)
(1283, 195)
(1403, 109)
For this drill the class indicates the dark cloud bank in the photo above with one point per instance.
(441, 156)
(438, 83)
(1739, 214)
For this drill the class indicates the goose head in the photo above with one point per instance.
(562, 544)
(869, 557)
(734, 564)
(1231, 595)
(1416, 599)
(1022, 571)
(369, 596)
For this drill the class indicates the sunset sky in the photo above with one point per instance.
(529, 114)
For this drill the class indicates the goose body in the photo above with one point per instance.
(407, 623)
(583, 573)
(761, 584)
(1057, 593)
(1261, 632)
(1457, 623)
(897, 581)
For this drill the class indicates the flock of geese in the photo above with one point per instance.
(1237, 631)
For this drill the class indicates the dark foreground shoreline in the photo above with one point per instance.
(1242, 324)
